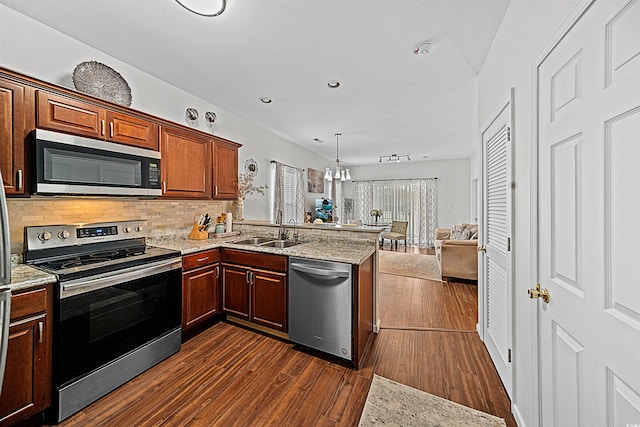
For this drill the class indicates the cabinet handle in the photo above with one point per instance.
(215, 190)
(19, 186)
(40, 332)
(246, 277)
(253, 278)
(217, 272)
(101, 127)
(111, 129)
(164, 187)
(203, 259)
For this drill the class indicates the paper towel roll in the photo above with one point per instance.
(228, 221)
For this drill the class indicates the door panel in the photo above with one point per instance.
(496, 276)
(588, 207)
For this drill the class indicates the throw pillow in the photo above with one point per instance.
(466, 234)
(456, 232)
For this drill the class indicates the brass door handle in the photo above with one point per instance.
(482, 248)
(539, 293)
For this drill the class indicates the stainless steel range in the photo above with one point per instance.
(117, 306)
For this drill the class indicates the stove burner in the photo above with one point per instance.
(80, 262)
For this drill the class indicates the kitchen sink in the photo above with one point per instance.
(280, 243)
(254, 241)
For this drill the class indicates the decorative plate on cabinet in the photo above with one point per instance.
(102, 81)
(251, 167)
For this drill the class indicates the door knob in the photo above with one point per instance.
(482, 248)
(539, 293)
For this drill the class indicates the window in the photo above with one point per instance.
(287, 192)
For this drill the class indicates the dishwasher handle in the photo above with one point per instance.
(319, 271)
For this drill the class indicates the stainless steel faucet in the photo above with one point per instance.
(281, 233)
(295, 234)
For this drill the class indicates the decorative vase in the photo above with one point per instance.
(239, 210)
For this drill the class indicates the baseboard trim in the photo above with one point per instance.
(517, 415)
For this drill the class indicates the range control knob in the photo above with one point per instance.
(127, 229)
(44, 236)
(64, 234)
(138, 228)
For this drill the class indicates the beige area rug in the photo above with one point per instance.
(393, 404)
(410, 265)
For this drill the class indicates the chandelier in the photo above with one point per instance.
(340, 171)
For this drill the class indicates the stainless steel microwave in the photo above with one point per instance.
(74, 165)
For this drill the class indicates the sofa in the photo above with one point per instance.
(457, 251)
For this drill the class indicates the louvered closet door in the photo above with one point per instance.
(496, 264)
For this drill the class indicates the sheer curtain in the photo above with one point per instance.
(411, 200)
(288, 192)
(362, 200)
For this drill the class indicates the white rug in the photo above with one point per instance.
(409, 265)
(393, 404)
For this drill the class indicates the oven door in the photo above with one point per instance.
(102, 318)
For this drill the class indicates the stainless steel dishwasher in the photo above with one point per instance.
(321, 305)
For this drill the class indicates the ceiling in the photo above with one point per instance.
(391, 101)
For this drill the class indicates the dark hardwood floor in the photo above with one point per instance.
(230, 376)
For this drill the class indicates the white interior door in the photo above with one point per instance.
(588, 217)
(496, 275)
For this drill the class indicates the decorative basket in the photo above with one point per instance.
(102, 81)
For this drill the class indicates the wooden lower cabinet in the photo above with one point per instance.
(200, 288)
(251, 291)
(26, 388)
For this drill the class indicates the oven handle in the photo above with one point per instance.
(84, 285)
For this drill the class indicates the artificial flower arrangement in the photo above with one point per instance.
(377, 213)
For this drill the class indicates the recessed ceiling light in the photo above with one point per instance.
(319, 141)
(265, 100)
(333, 84)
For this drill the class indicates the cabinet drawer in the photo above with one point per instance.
(199, 259)
(28, 304)
(255, 259)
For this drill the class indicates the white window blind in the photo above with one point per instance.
(289, 186)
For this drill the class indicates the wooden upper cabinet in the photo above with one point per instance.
(225, 170)
(186, 160)
(130, 130)
(70, 116)
(80, 118)
(13, 113)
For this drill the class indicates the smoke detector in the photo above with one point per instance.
(422, 48)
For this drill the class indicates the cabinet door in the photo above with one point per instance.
(130, 130)
(269, 299)
(26, 388)
(199, 295)
(235, 291)
(186, 164)
(70, 116)
(225, 170)
(12, 136)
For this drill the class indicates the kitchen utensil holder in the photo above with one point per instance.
(197, 233)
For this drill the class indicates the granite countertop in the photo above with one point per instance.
(24, 277)
(336, 251)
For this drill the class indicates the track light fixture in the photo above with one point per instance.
(394, 158)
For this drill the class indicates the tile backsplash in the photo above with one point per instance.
(164, 217)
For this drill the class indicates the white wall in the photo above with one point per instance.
(453, 183)
(34, 49)
(525, 29)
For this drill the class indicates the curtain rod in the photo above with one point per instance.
(275, 161)
(393, 179)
